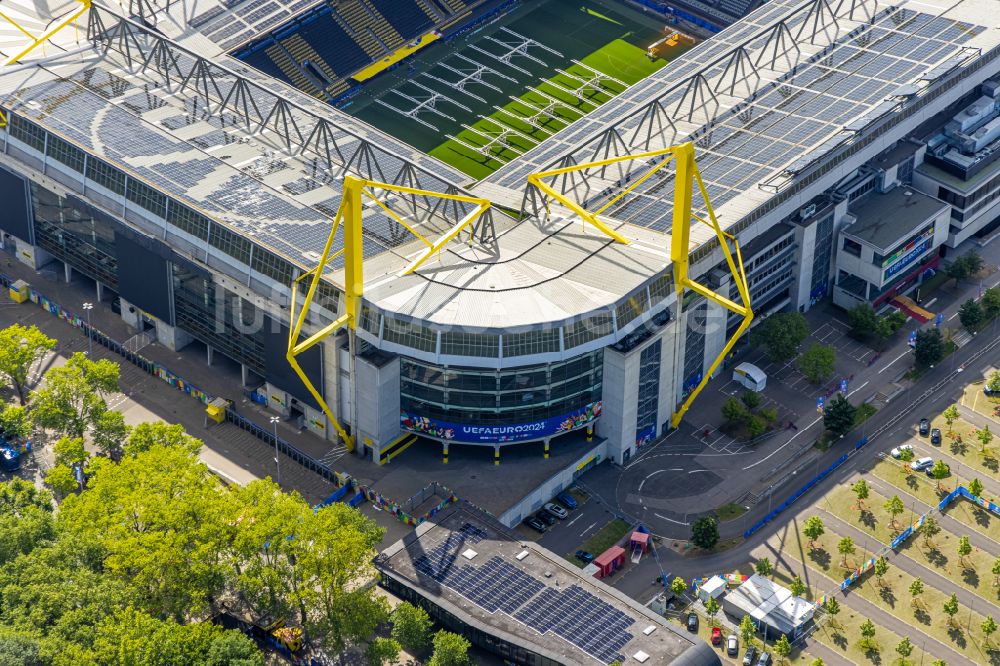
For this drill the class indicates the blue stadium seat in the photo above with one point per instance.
(263, 62)
(405, 16)
(336, 47)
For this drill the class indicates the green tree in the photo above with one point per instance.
(930, 529)
(712, 609)
(950, 608)
(916, 589)
(450, 650)
(862, 319)
(868, 642)
(985, 437)
(61, 480)
(894, 506)
(887, 326)
(783, 648)
(816, 363)
(751, 399)
(939, 662)
(906, 455)
(734, 411)
(70, 451)
(747, 630)
(939, 471)
(132, 505)
(971, 315)
(929, 348)
(756, 426)
(813, 529)
(26, 519)
(705, 532)
(382, 651)
(951, 414)
(989, 626)
(996, 572)
(15, 422)
(881, 567)
(411, 626)
(904, 649)
(816, 662)
(845, 547)
(993, 383)
(798, 588)
(964, 550)
(780, 335)
(763, 567)
(838, 415)
(769, 414)
(21, 347)
(109, 433)
(678, 586)
(147, 435)
(832, 608)
(965, 266)
(861, 491)
(991, 302)
(19, 650)
(72, 397)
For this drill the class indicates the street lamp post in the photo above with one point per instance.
(277, 456)
(87, 307)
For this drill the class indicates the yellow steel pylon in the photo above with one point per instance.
(349, 216)
(44, 37)
(686, 174)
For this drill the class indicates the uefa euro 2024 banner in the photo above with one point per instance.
(511, 432)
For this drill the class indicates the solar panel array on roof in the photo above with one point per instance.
(573, 614)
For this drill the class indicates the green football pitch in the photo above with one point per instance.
(603, 36)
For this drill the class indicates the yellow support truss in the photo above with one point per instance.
(349, 217)
(41, 39)
(686, 175)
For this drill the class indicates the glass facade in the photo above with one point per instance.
(490, 397)
(694, 344)
(77, 234)
(649, 393)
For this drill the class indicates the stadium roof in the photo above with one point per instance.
(764, 100)
(475, 568)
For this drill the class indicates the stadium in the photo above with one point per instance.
(354, 200)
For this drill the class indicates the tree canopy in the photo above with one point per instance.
(72, 399)
(838, 415)
(131, 569)
(816, 363)
(705, 532)
(20, 348)
(929, 348)
(781, 334)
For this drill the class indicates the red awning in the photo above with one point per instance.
(640, 537)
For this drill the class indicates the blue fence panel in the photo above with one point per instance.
(336, 496)
(357, 499)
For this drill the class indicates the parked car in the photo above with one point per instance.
(897, 452)
(716, 635)
(921, 464)
(732, 645)
(924, 427)
(765, 659)
(546, 517)
(584, 556)
(930, 471)
(535, 524)
(556, 510)
(10, 459)
(749, 659)
(568, 501)
(692, 623)
(991, 392)
(935, 436)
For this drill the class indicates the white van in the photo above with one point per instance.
(750, 376)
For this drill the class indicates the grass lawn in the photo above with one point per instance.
(845, 637)
(893, 596)
(602, 539)
(924, 489)
(730, 511)
(961, 444)
(974, 398)
(942, 558)
(626, 62)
